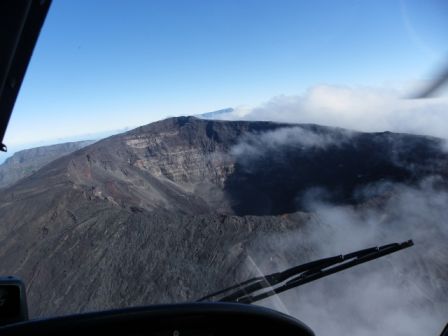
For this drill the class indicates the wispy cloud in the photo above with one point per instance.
(252, 145)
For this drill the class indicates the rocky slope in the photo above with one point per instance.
(178, 208)
(28, 161)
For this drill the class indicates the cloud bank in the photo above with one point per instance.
(361, 108)
(401, 294)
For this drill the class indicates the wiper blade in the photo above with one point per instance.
(251, 290)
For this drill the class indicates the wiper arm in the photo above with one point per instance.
(249, 290)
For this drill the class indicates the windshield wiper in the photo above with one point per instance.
(251, 290)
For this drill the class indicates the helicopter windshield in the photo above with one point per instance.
(160, 151)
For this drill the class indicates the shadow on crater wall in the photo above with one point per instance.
(280, 181)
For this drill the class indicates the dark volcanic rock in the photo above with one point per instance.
(154, 214)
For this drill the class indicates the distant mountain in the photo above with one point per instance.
(28, 161)
(178, 208)
(219, 114)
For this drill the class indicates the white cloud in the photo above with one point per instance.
(361, 108)
(402, 294)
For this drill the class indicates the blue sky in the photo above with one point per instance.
(105, 65)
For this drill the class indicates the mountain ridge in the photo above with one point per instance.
(89, 226)
(26, 162)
